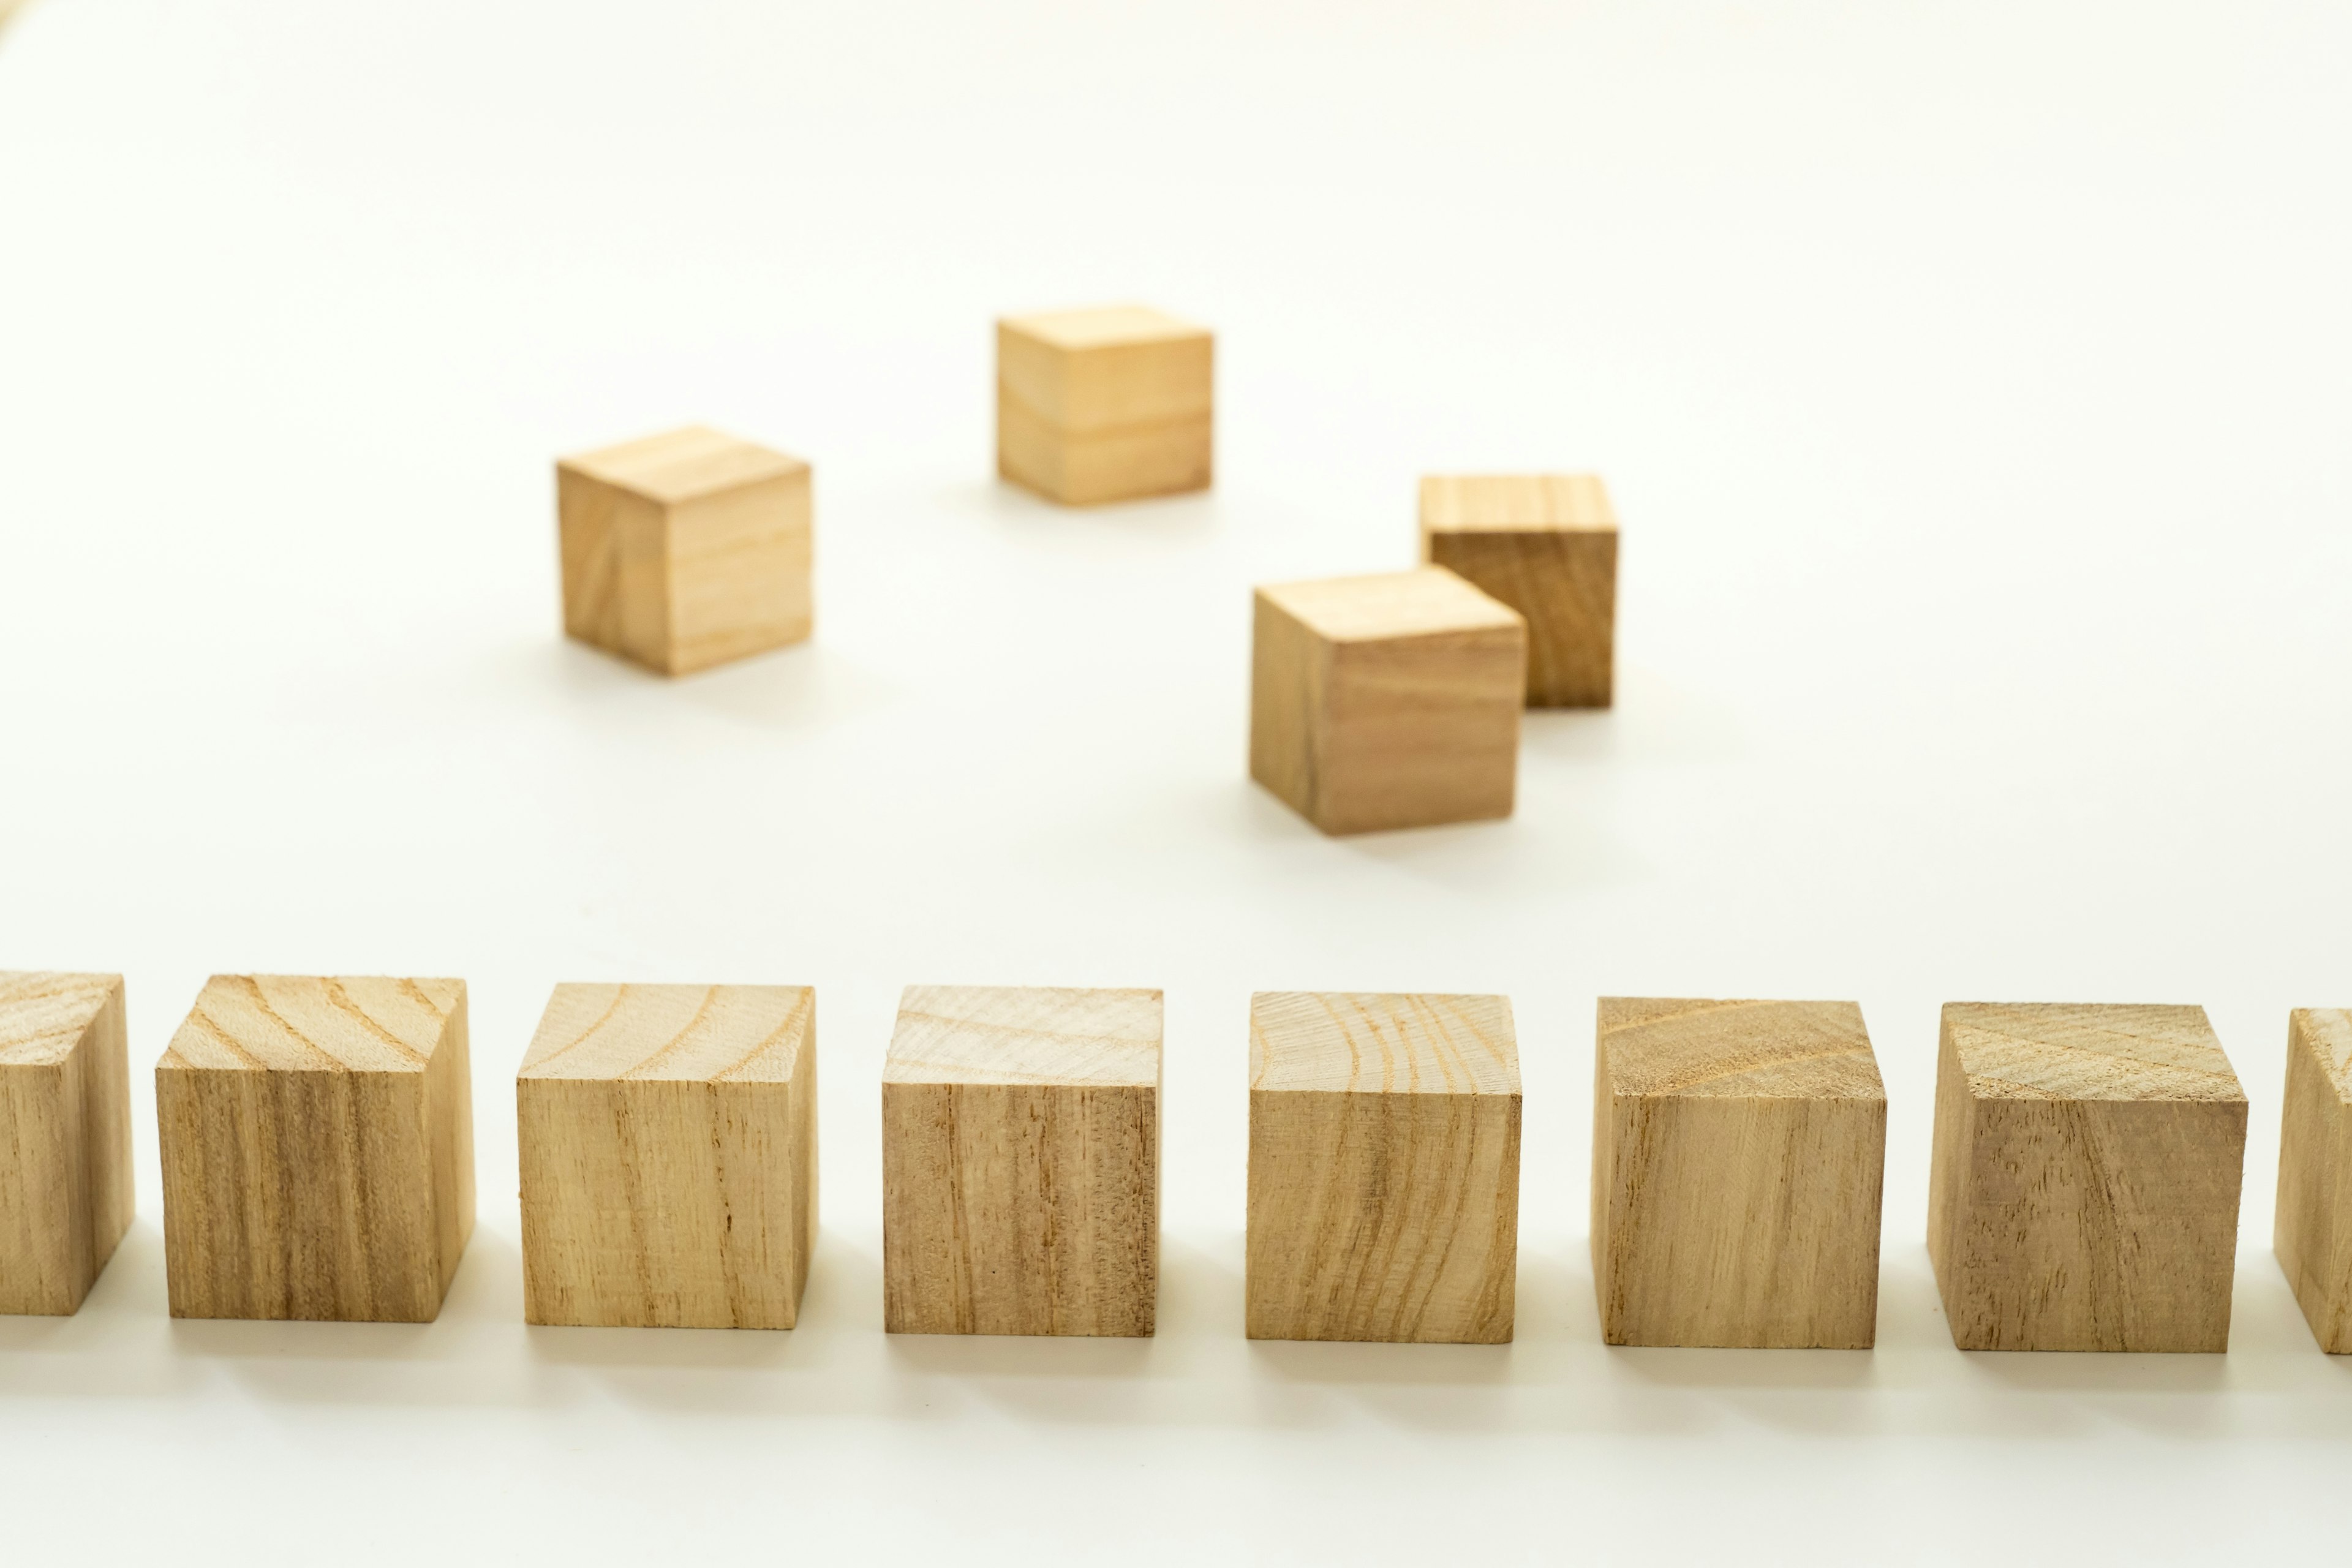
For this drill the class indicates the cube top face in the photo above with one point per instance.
(1103, 327)
(691, 1033)
(1377, 1043)
(2087, 1052)
(1501, 503)
(2326, 1033)
(683, 465)
(1737, 1050)
(281, 1023)
(1003, 1034)
(1427, 601)
(44, 1015)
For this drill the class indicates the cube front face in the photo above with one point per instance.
(1383, 1168)
(317, 1139)
(1739, 1161)
(2086, 1181)
(64, 1136)
(2313, 1235)
(1104, 405)
(1020, 1163)
(1546, 546)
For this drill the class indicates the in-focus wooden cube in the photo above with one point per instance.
(64, 1136)
(668, 1144)
(1021, 1162)
(1103, 405)
(1739, 1151)
(317, 1142)
(1545, 544)
(1387, 701)
(685, 550)
(2312, 1236)
(2085, 1189)
(1383, 1168)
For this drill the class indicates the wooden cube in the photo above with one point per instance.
(1383, 1168)
(1387, 701)
(2085, 1189)
(1545, 544)
(1739, 1151)
(64, 1136)
(668, 1142)
(2312, 1236)
(1020, 1163)
(318, 1142)
(1103, 405)
(685, 550)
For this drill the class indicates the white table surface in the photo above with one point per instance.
(1971, 382)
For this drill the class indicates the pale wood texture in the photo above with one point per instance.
(2084, 1194)
(1383, 1168)
(1387, 701)
(1739, 1153)
(668, 1144)
(64, 1136)
(1545, 544)
(1021, 1162)
(2312, 1236)
(686, 550)
(318, 1143)
(1104, 405)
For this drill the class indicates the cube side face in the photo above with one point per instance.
(448, 1087)
(2312, 1233)
(46, 1265)
(1161, 382)
(1106, 422)
(616, 563)
(1421, 731)
(1289, 679)
(740, 573)
(1564, 582)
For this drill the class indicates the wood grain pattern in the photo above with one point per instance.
(1387, 701)
(2086, 1170)
(669, 1144)
(64, 1136)
(1738, 1155)
(1383, 1168)
(686, 550)
(1104, 405)
(1021, 1162)
(2313, 1235)
(318, 1143)
(1545, 544)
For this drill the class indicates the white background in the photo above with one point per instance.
(1971, 380)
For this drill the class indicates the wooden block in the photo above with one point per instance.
(1383, 1168)
(64, 1136)
(1387, 701)
(2085, 1189)
(318, 1140)
(1104, 405)
(685, 550)
(1739, 1151)
(1545, 544)
(1020, 1163)
(2312, 1236)
(668, 1142)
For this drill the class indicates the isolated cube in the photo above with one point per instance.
(2312, 1236)
(64, 1136)
(1739, 1151)
(318, 1142)
(685, 550)
(668, 1144)
(1387, 701)
(1020, 1163)
(1103, 405)
(1383, 1168)
(1545, 544)
(2085, 1189)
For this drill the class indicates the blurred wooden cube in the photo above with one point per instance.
(1103, 405)
(2312, 1236)
(1545, 544)
(318, 1142)
(2084, 1188)
(65, 1129)
(1383, 1168)
(1387, 701)
(1739, 1152)
(685, 550)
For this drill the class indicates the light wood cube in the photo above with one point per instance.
(1020, 1163)
(686, 550)
(1383, 1168)
(318, 1142)
(1103, 405)
(1739, 1151)
(1387, 701)
(668, 1144)
(2312, 1236)
(2085, 1189)
(1545, 544)
(64, 1136)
